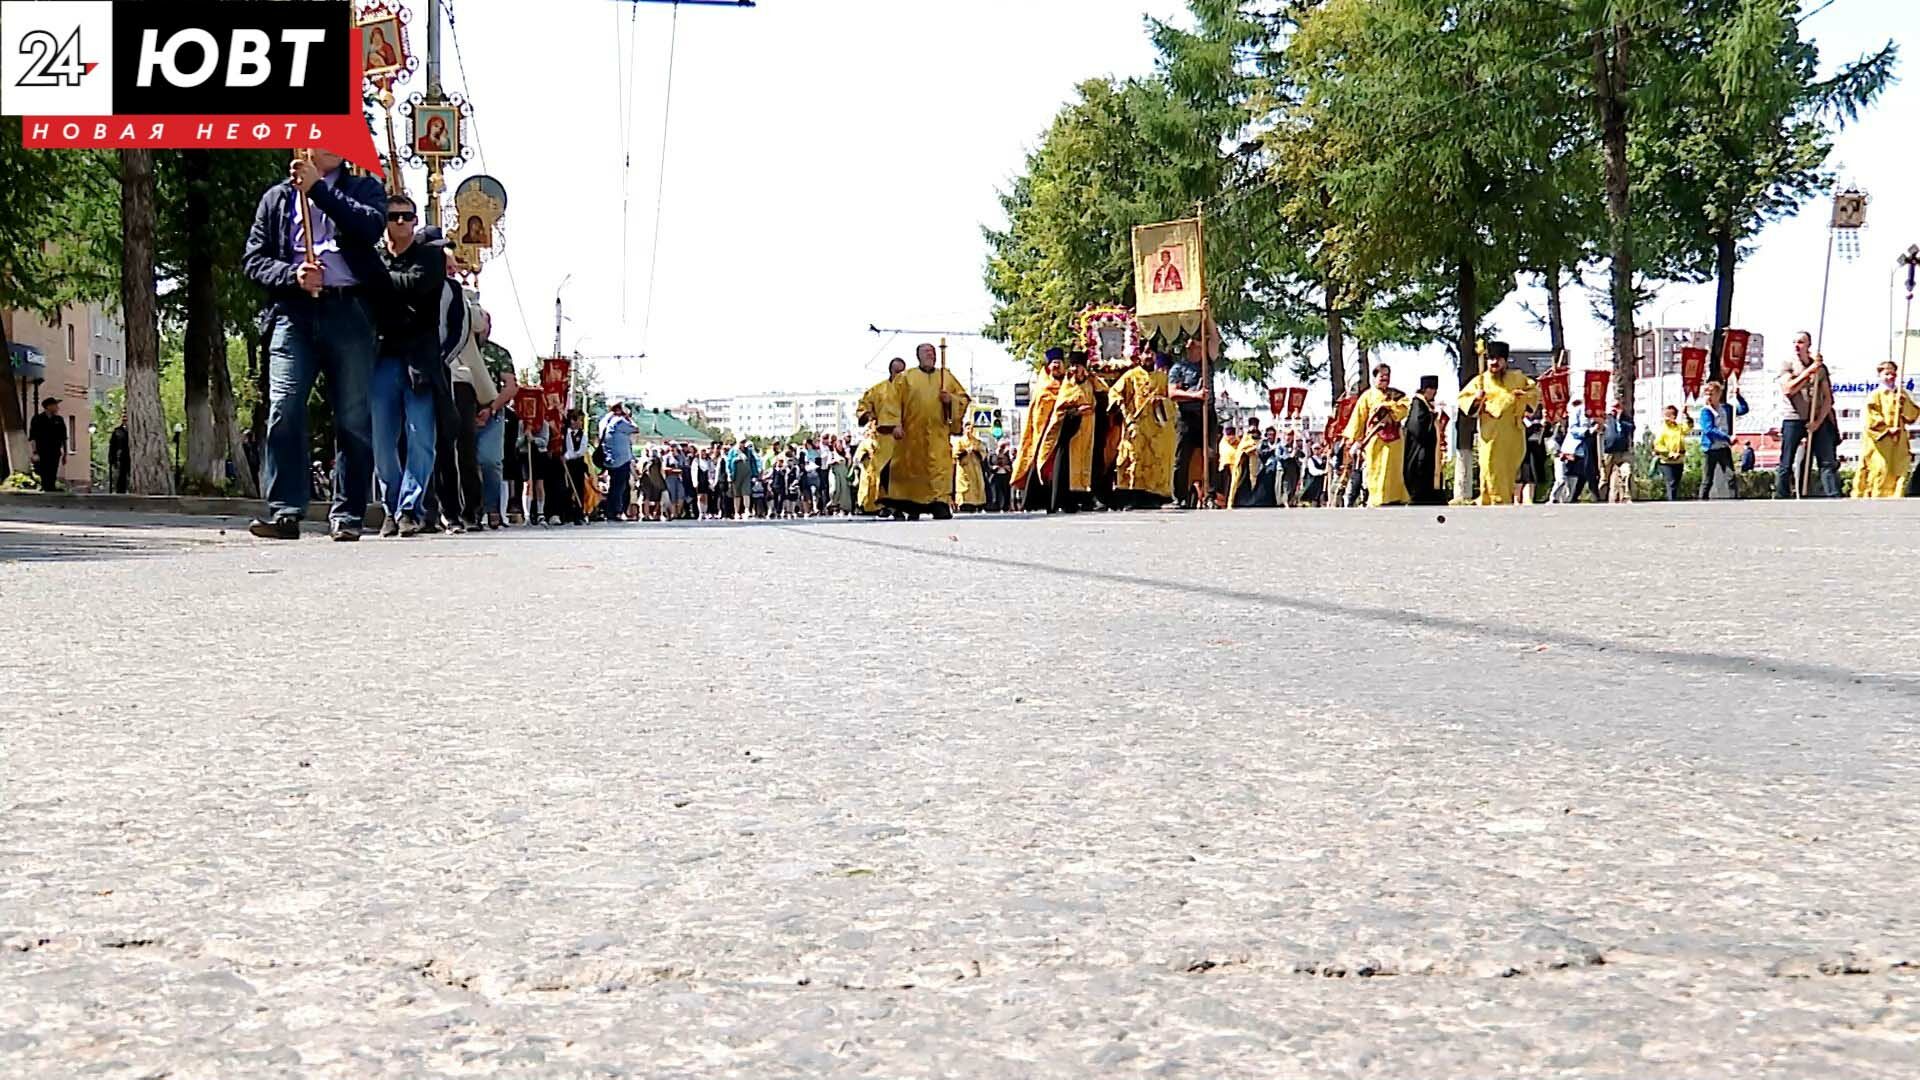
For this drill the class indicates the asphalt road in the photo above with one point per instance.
(1578, 791)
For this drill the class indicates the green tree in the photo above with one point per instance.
(1746, 136)
(1446, 123)
(53, 206)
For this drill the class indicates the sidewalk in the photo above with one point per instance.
(171, 505)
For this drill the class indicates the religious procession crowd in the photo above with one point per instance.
(361, 294)
(1142, 438)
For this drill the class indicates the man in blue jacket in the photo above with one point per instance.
(319, 318)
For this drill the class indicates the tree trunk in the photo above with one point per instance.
(146, 426)
(1726, 261)
(257, 372)
(1362, 363)
(226, 422)
(1467, 300)
(203, 348)
(1610, 78)
(1336, 347)
(1556, 312)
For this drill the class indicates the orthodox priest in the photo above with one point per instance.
(933, 409)
(1886, 453)
(1374, 433)
(1028, 481)
(879, 413)
(1067, 446)
(1143, 469)
(1422, 431)
(969, 474)
(1498, 399)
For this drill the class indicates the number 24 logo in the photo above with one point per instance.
(55, 63)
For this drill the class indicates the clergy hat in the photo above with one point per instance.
(1056, 353)
(1077, 358)
(1162, 360)
(1497, 349)
(1429, 382)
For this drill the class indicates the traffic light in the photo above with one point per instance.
(999, 423)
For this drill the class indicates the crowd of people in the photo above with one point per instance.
(365, 302)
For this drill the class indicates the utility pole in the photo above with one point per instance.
(435, 182)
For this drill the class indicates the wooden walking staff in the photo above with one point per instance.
(1911, 260)
(306, 225)
(1849, 217)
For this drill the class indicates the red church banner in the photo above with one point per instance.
(527, 404)
(1296, 400)
(1693, 370)
(1733, 359)
(1596, 396)
(1342, 412)
(1277, 400)
(1554, 394)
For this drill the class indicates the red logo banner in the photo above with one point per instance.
(1554, 395)
(1296, 400)
(1733, 359)
(1596, 395)
(1693, 370)
(1277, 400)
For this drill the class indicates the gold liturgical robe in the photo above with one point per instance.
(1886, 454)
(1148, 437)
(1386, 460)
(1503, 432)
(1076, 399)
(969, 479)
(922, 472)
(1039, 414)
(880, 408)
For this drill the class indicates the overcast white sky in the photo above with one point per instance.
(831, 163)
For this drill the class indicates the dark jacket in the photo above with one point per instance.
(407, 308)
(358, 209)
(48, 434)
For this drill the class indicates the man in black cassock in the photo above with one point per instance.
(1422, 434)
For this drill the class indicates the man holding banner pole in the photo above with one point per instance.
(312, 248)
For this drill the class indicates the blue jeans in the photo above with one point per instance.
(332, 335)
(619, 490)
(401, 413)
(1826, 455)
(490, 450)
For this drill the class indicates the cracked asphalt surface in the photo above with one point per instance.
(1575, 791)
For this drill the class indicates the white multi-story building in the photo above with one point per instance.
(776, 416)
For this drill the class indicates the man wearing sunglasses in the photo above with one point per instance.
(403, 377)
(315, 257)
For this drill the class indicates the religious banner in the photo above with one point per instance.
(1110, 336)
(1296, 400)
(1693, 370)
(528, 405)
(1342, 412)
(1277, 400)
(1733, 359)
(554, 372)
(479, 203)
(1169, 278)
(1595, 400)
(1554, 394)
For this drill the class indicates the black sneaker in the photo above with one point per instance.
(410, 525)
(389, 528)
(280, 528)
(343, 532)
